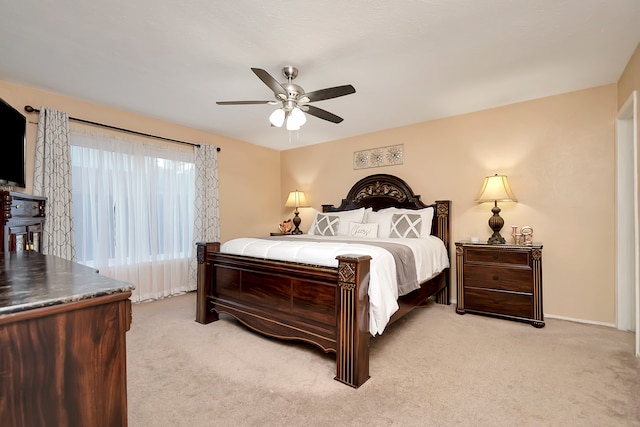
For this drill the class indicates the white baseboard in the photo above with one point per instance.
(570, 319)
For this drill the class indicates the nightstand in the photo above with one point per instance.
(500, 280)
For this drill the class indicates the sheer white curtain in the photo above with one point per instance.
(133, 211)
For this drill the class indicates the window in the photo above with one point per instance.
(133, 211)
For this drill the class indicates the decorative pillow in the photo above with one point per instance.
(363, 230)
(325, 225)
(406, 225)
(345, 217)
(426, 214)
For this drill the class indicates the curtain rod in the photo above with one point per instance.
(30, 109)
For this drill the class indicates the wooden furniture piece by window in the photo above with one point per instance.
(23, 219)
(62, 343)
(324, 306)
(500, 280)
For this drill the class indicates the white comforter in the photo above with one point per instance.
(430, 256)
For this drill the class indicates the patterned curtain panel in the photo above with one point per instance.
(52, 179)
(206, 227)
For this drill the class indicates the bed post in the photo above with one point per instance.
(442, 231)
(205, 282)
(352, 353)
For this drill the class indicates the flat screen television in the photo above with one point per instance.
(12, 146)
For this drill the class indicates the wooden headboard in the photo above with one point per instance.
(381, 191)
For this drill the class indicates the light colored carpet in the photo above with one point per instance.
(433, 367)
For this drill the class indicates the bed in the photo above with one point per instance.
(325, 305)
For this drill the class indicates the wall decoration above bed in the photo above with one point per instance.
(376, 157)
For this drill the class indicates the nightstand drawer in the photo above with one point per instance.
(506, 279)
(479, 255)
(500, 280)
(496, 302)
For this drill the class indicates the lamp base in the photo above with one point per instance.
(296, 221)
(496, 239)
(496, 222)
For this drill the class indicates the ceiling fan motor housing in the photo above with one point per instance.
(293, 90)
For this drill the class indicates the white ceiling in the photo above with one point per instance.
(409, 60)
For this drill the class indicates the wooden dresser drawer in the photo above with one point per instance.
(479, 255)
(497, 302)
(34, 228)
(25, 208)
(506, 279)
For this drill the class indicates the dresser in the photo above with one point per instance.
(62, 343)
(500, 280)
(22, 218)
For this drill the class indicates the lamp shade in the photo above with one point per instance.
(296, 199)
(496, 189)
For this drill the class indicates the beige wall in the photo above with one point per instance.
(559, 155)
(249, 175)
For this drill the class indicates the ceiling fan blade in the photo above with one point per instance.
(271, 82)
(244, 102)
(321, 114)
(332, 92)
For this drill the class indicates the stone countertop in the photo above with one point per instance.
(30, 280)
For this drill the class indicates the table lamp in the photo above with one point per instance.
(496, 189)
(296, 199)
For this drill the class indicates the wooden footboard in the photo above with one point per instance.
(327, 307)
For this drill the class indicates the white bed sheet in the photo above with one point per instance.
(430, 257)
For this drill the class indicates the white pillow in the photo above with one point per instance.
(363, 230)
(325, 225)
(406, 225)
(345, 217)
(383, 219)
(426, 214)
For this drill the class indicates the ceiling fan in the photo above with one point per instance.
(294, 99)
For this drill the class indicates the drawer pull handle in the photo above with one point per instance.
(495, 256)
(495, 301)
(496, 277)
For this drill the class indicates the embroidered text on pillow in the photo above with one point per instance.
(363, 230)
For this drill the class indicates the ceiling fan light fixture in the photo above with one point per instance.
(292, 125)
(297, 116)
(277, 117)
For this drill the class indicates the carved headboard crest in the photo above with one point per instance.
(380, 189)
(377, 192)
